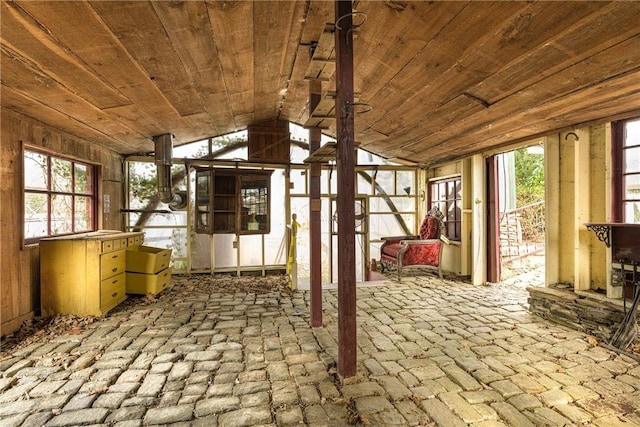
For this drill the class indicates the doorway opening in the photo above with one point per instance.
(521, 182)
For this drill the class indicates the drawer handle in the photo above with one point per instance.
(114, 269)
(115, 281)
(114, 256)
(115, 294)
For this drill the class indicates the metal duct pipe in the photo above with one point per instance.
(164, 160)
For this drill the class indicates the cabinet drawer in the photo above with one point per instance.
(134, 241)
(140, 283)
(147, 259)
(112, 263)
(112, 291)
(114, 244)
(107, 246)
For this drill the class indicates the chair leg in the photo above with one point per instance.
(399, 273)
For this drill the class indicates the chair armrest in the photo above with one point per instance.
(396, 238)
(445, 239)
(419, 242)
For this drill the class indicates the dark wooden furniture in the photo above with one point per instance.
(233, 201)
(624, 241)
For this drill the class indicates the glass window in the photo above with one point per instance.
(446, 194)
(631, 171)
(59, 196)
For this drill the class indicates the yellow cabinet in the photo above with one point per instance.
(84, 274)
(147, 259)
(148, 270)
(148, 283)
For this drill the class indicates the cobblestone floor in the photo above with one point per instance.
(430, 352)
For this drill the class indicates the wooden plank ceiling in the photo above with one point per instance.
(440, 79)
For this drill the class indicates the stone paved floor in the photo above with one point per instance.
(431, 352)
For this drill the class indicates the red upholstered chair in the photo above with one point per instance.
(423, 250)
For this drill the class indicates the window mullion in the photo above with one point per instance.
(49, 195)
(73, 197)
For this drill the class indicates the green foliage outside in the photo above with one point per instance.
(529, 177)
(529, 172)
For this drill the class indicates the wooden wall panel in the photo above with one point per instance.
(9, 176)
(20, 287)
(269, 142)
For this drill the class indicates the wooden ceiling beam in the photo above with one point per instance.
(29, 107)
(553, 116)
(140, 30)
(594, 30)
(567, 84)
(22, 34)
(102, 51)
(188, 27)
(277, 35)
(433, 72)
(419, 78)
(232, 24)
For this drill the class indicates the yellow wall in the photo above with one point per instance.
(600, 137)
(456, 256)
(577, 169)
(577, 179)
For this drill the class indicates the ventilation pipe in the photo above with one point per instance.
(164, 160)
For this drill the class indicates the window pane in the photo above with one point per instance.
(143, 184)
(83, 179)
(364, 179)
(632, 187)
(253, 199)
(46, 211)
(390, 225)
(446, 196)
(60, 175)
(35, 215)
(632, 212)
(333, 183)
(632, 160)
(632, 132)
(61, 214)
(324, 181)
(35, 171)
(392, 204)
(453, 212)
(452, 230)
(385, 183)
(251, 250)
(404, 182)
(298, 181)
(82, 214)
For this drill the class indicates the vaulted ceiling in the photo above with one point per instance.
(436, 80)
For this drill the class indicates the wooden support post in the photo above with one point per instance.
(617, 130)
(345, 164)
(479, 221)
(315, 219)
(493, 221)
(552, 228)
